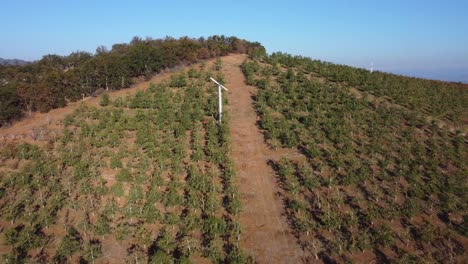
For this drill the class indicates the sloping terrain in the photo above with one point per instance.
(382, 182)
(22, 129)
(144, 177)
(309, 165)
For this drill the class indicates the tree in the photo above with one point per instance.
(10, 105)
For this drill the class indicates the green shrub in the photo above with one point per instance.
(118, 189)
(104, 100)
(178, 80)
(124, 175)
(115, 162)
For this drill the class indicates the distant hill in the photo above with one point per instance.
(13, 62)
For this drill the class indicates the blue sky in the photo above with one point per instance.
(424, 38)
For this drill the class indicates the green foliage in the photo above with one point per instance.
(178, 80)
(104, 100)
(237, 256)
(124, 175)
(28, 151)
(215, 250)
(135, 194)
(384, 236)
(172, 197)
(70, 244)
(102, 226)
(24, 237)
(424, 95)
(141, 100)
(214, 226)
(166, 241)
(10, 107)
(218, 64)
(115, 162)
(122, 231)
(81, 170)
(118, 189)
(16, 256)
(92, 250)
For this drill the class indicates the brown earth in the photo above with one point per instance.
(266, 233)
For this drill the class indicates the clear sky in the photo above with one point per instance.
(423, 38)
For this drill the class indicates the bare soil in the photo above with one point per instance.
(266, 233)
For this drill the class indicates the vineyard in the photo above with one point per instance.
(382, 180)
(143, 178)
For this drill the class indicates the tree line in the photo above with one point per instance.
(55, 80)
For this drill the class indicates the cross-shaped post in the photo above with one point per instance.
(220, 97)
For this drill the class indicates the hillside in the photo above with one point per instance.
(384, 176)
(313, 162)
(133, 179)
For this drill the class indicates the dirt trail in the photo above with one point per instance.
(267, 236)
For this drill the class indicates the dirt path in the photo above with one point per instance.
(267, 236)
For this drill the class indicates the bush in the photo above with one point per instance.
(104, 100)
(178, 80)
(117, 189)
(124, 175)
(384, 236)
(69, 244)
(102, 226)
(115, 162)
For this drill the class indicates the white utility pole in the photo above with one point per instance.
(372, 67)
(220, 96)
